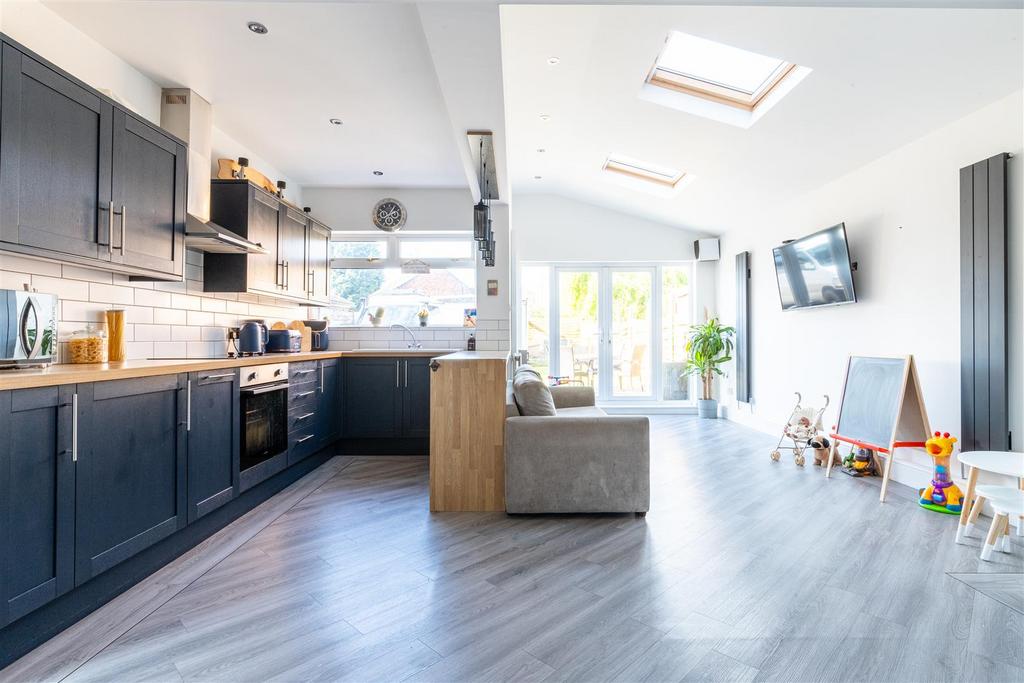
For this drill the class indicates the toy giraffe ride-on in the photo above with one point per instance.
(943, 495)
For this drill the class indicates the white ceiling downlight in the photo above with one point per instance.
(258, 28)
(641, 170)
(335, 122)
(729, 84)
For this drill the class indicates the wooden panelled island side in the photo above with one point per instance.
(467, 431)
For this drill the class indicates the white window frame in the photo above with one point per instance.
(391, 258)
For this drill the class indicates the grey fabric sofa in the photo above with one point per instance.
(580, 460)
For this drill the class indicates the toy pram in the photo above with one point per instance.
(804, 429)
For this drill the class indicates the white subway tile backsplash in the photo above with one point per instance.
(111, 294)
(200, 318)
(152, 332)
(172, 349)
(20, 264)
(170, 316)
(214, 305)
(185, 333)
(486, 345)
(87, 274)
(139, 350)
(82, 311)
(138, 314)
(65, 289)
(187, 302)
(178, 287)
(13, 280)
(212, 333)
(226, 319)
(145, 297)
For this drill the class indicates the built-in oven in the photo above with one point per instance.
(264, 433)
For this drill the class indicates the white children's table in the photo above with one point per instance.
(998, 462)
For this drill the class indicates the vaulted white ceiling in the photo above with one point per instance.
(881, 78)
(367, 64)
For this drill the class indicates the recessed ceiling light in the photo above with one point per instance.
(541, 150)
(545, 117)
(553, 60)
(257, 27)
(378, 173)
(336, 122)
(537, 177)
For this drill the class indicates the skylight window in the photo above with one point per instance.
(720, 75)
(634, 170)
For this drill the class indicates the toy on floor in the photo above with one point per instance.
(860, 463)
(822, 448)
(804, 424)
(943, 495)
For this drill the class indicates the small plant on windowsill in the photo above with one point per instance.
(423, 315)
(708, 347)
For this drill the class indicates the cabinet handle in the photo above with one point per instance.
(287, 275)
(406, 374)
(124, 214)
(304, 417)
(305, 438)
(74, 427)
(304, 394)
(397, 363)
(188, 407)
(109, 208)
(303, 372)
(227, 374)
(279, 278)
(312, 283)
(321, 378)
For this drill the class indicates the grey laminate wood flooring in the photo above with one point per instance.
(743, 570)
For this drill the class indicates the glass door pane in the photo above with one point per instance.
(676, 307)
(631, 325)
(579, 327)
(536, 305)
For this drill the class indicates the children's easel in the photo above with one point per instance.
(881, 408)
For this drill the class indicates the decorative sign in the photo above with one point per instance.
(492, 288)
(469, 319)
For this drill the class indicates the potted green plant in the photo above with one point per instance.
(709, 346)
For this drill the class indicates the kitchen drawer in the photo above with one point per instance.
(302, 444)
(306, 370)
(302, 394)
(302, 418)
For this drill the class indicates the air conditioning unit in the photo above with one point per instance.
(705, 250)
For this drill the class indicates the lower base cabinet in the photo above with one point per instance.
(130, 474)
(213, 426)
(37, 493)
(387, 397)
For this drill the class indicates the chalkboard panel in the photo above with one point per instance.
(872, 399)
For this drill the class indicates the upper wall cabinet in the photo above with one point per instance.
(295, 266)
(83, 180)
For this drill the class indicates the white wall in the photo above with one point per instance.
(345, 208)
(902, 217)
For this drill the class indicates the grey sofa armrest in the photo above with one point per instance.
(568, 396)
(577, 464)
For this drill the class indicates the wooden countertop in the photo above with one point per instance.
(476, 355)
(66, 373)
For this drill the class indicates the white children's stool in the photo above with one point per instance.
(998, 462)
(1005, 502)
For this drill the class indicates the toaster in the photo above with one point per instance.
(284, 341)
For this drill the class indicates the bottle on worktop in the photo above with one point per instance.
(471, 343)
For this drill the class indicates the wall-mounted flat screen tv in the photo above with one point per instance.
(815, 270)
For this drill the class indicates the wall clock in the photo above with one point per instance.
(389, 215)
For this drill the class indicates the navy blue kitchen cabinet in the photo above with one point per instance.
(328, 413)
(386, 398)
(84, 180)
(130, 478)
(373, 397)
(416, 397)
(37, 493)
(303, 405)
(213, 427)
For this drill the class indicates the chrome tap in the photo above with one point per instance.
(414, 344)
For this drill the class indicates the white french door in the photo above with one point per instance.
(603, 329)
(619, 328)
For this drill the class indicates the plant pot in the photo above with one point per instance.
(707, 407)
(423, 322)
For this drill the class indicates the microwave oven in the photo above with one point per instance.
(28, 328)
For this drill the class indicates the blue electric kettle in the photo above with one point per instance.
(252, 338)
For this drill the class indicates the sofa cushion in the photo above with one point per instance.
(532, 395)
(581, 411)
(529, 369)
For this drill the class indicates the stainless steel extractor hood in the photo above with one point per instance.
(190, 117)
(209, 237)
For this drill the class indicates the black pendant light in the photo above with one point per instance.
(481, 216)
